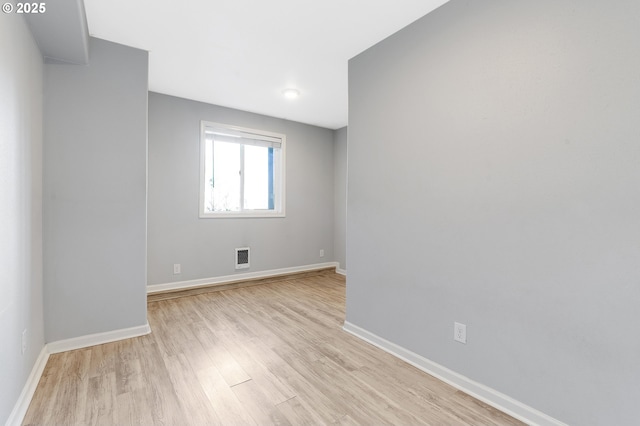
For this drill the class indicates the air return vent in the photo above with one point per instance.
(242, 258)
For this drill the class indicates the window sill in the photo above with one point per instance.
(236, 215)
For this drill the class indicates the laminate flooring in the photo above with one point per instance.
(273, 353)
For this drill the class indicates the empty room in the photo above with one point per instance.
(321, 212)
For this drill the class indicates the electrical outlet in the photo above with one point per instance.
(24, 341)
(321, 253)
(459, 332)
(176, 268)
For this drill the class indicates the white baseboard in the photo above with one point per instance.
(22, 405)
(205, 282)
(97, 339)
(341, 271)
(479, 391)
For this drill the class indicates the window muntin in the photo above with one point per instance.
(241, 172)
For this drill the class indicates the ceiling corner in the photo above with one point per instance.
(61, 31)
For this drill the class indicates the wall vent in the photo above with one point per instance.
(242, 258)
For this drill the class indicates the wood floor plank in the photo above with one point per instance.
(223, 400)
(72, 388)
(132, 408)
(427, 408)
(273, 353)
(389, 411)
(346, 420)
(128, 370)
(161, 400)
(65, 381)
(100, 407)
(310, 396)
(257, 403)
(192, 397)
(102, 360)
(298, 413)
(274, 388)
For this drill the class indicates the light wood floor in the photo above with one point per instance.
(268, 354)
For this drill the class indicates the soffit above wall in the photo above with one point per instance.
(61, 31)
(243, 54)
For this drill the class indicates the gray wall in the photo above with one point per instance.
(493, 180)
(95, 192)
(340, 196)
(205, 247)
(20, 207)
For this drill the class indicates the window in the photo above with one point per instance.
(241, 172)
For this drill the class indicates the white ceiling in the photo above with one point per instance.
(243, 53)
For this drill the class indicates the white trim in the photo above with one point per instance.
(249, 214)
(341, 271)
(279, 166)
(226, 279)
(97, 339)
(477, 390)
(22, 405)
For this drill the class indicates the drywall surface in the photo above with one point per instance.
(205, 248)
(493, 180)
(95, 192)
(20, 207)
(340, 196)
(61, 31)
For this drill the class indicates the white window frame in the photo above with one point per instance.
(279, 180)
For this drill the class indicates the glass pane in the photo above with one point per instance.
(226, 177)
(257, 182)
(208, 176)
